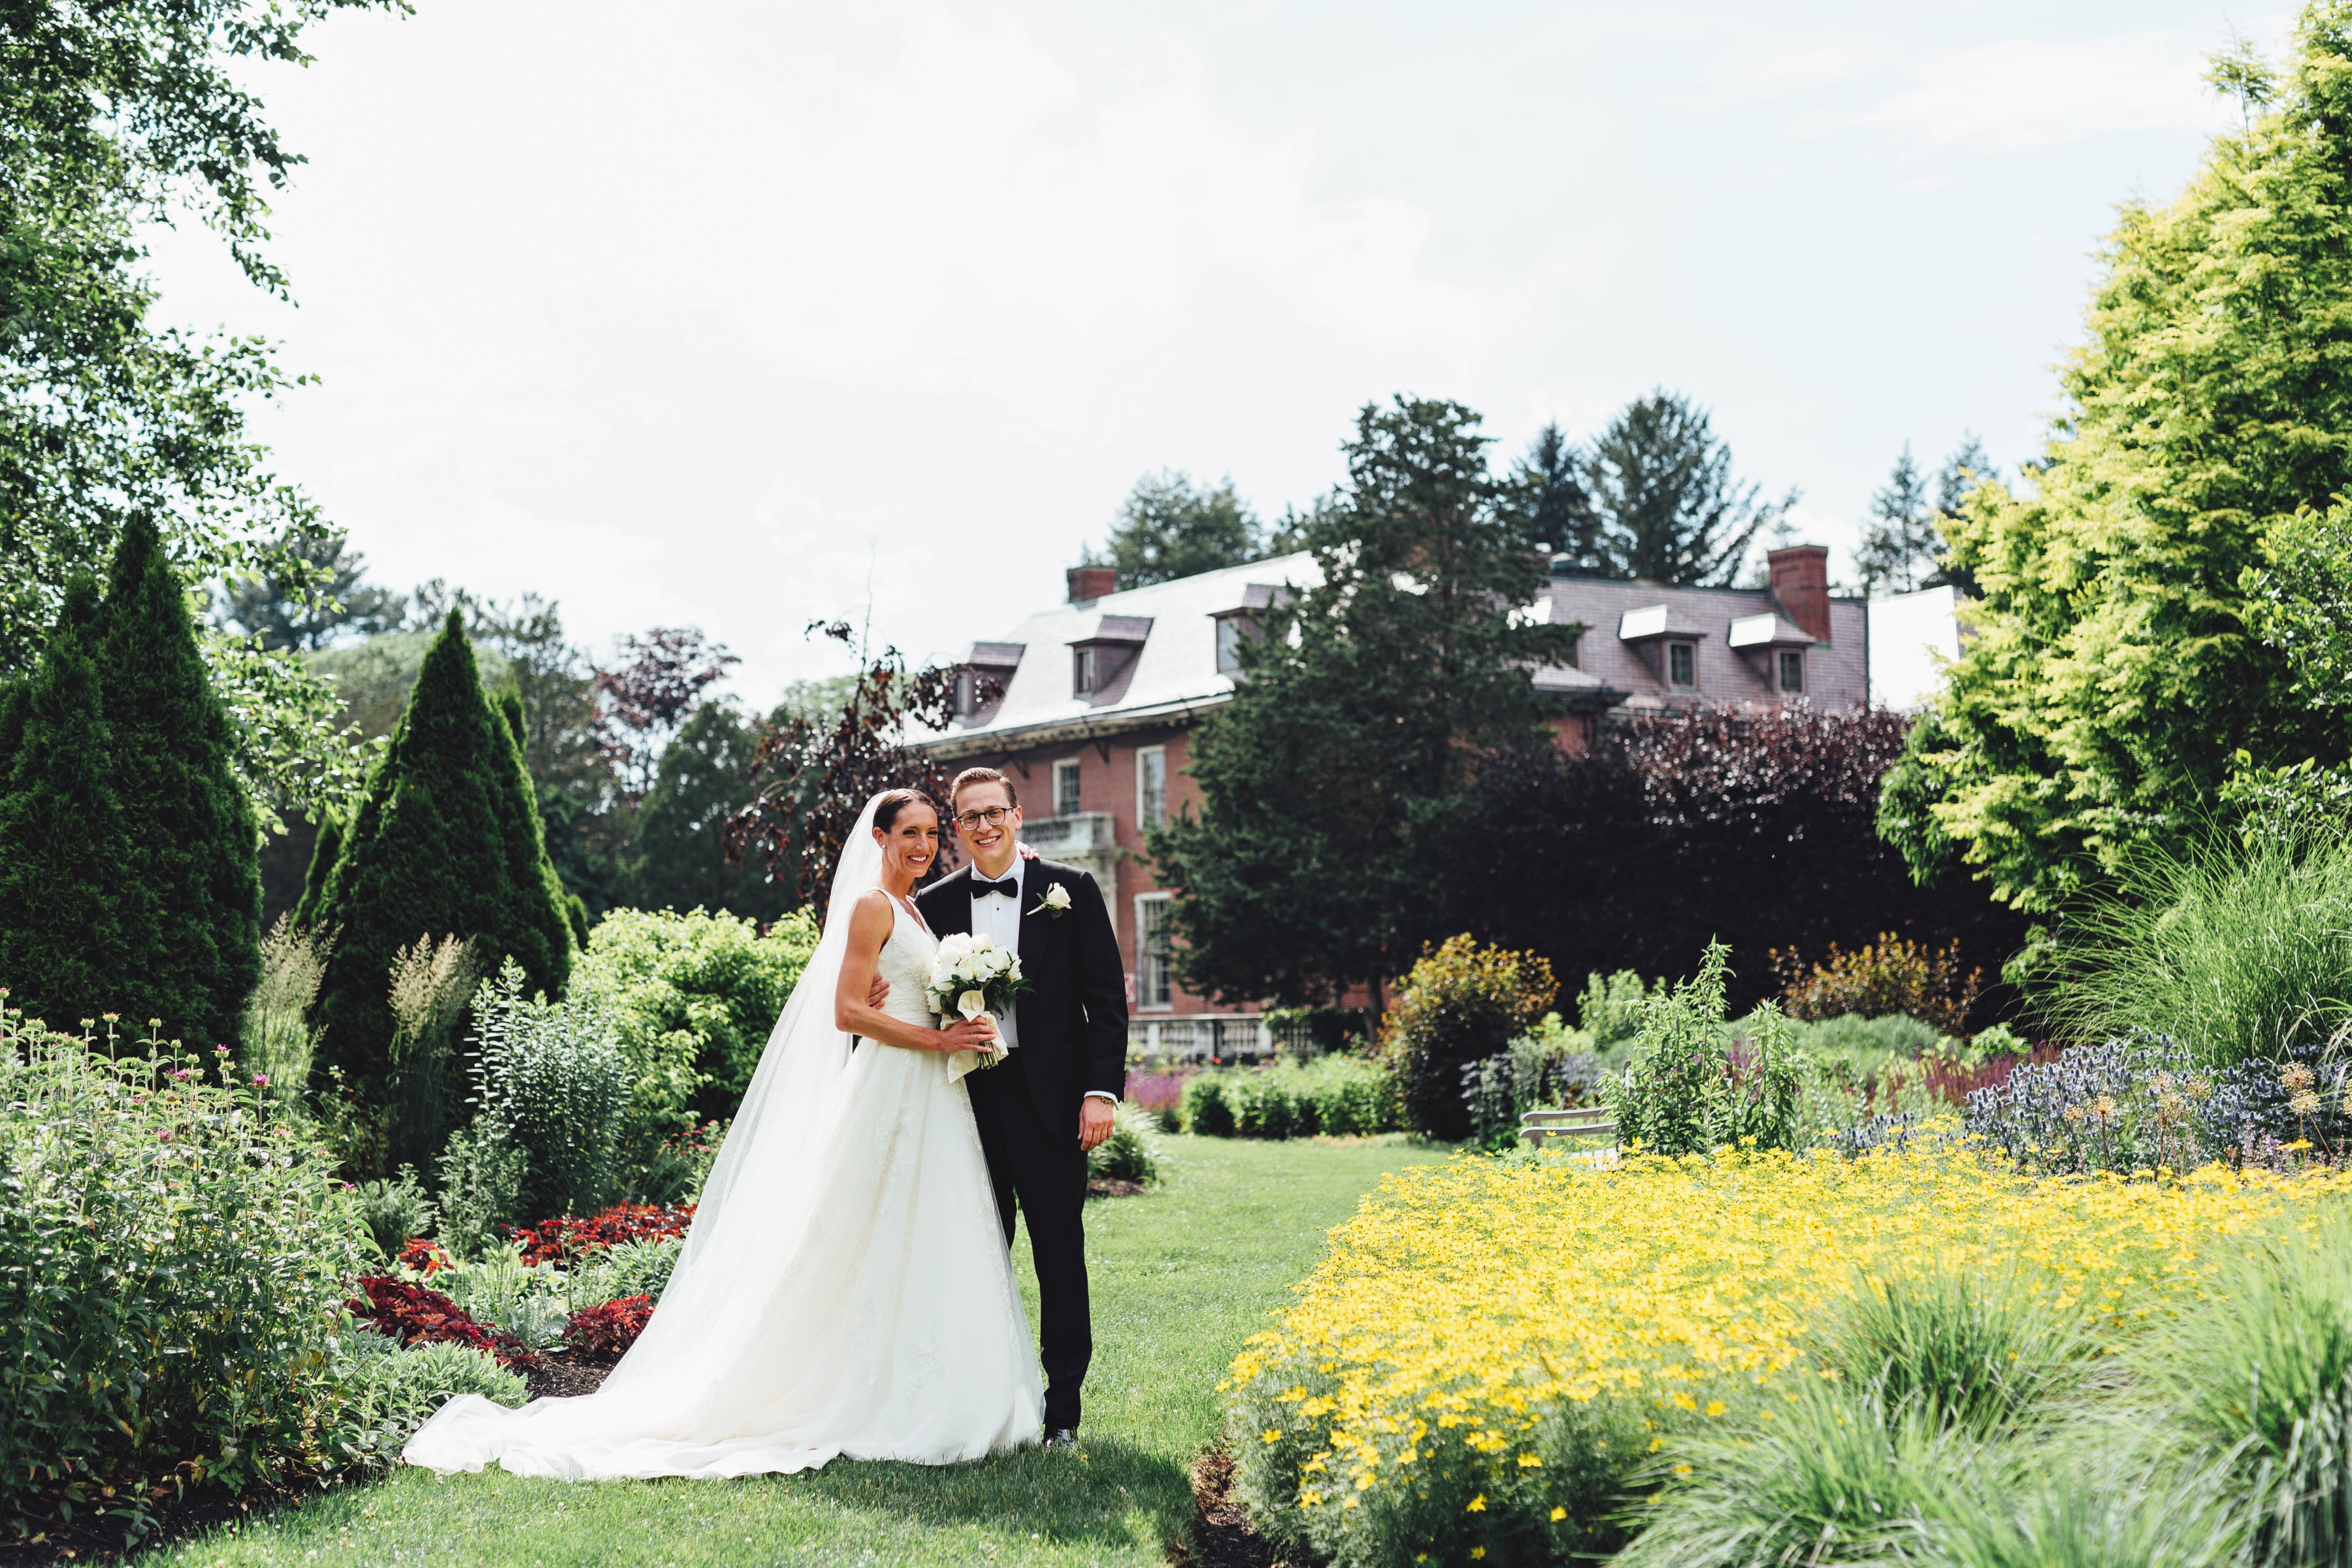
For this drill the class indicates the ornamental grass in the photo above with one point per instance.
(1495, 1355)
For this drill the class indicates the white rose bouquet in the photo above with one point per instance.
(972, 975)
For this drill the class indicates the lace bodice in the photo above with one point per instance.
(905, 962)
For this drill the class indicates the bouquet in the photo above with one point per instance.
(972, 975)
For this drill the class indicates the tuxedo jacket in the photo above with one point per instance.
(1073, 1017)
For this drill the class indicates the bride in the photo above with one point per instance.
(844, 1288)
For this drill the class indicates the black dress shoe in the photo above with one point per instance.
(1062, 1437)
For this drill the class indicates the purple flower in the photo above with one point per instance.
(261, 1081)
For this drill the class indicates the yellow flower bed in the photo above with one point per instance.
(1476, 1322)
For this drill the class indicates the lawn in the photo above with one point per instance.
(1181, 1276)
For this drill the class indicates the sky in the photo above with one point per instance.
(741, 315)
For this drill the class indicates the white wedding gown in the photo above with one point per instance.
(844, 1288)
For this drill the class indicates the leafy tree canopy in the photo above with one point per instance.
(1668, 506)
(1366, 707)
(2113, 680)
(325, 604)
(114, 116)
(1169, 527)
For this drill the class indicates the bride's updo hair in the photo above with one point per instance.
(892, 802)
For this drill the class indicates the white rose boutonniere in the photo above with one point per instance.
(1055, 902)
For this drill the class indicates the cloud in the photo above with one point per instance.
(2022, 95)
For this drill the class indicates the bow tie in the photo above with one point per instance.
(1010, 886)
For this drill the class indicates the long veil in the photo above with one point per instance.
(775, 1130)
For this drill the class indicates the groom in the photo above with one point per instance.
(1048, 1103)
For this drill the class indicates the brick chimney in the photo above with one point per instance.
(1801, 582)
(1088, 584)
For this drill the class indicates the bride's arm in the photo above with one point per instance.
(869, 927)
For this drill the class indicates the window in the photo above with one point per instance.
(1082, 672)
(1066, 787)
(1151, 788)
(1682, 665)
(1576, 651)
(1229, 645)
(1792, 669)
(963, 694)
(1152, 987)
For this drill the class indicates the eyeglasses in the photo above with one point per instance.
(994, 816)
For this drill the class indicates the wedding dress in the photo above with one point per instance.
(844, 1289)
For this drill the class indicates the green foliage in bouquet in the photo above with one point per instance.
(445, 842)
(173, 1257)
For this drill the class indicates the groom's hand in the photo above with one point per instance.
(877, 992)
(1094, 1121)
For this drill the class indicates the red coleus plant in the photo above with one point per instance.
(423, 1253)
(414, 1315)
(566, 1239)
(605, 1333)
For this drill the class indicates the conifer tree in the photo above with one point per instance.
(445, 842)
(60, 835)
(325, 850)
(187, 892)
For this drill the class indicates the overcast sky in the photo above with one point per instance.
(708, 313)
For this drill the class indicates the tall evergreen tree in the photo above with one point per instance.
(1169, 527)
(445, 842)
(188, 831)
(1553, 503)
(1669, 508)
(61, 860)
(1366, 709)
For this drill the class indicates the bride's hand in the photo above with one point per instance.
(967, 1035)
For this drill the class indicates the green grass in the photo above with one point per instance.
(1181, 1276)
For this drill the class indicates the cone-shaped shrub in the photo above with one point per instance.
(60, 833)
(187, 894)
(575, 913)
(445, 842)
(325, 850)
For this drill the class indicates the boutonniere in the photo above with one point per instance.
(1054, 902)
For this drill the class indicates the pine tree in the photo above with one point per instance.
(324, 852)
(189, 893)
(1670, 510)
(61, 836)
(445, 841)
(1552, 500)
(575, 911)
(1169, 527)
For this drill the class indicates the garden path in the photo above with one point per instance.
(1181, 1274)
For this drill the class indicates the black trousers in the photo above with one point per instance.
(1043, 1172)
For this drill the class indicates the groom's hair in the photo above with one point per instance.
(970, 776)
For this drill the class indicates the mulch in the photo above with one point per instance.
(1221, 1535)
(1112, 1187)
(562, 1377)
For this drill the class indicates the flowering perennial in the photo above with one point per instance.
(566, 1239)
(1490, 1349)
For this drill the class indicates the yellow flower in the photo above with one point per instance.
(1717, 1408)
(1477, 1552)
(1476, 1504)
(1272, 1435)
(1529, 1462)
(1558, 1514)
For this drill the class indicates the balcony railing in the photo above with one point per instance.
(1087, 840)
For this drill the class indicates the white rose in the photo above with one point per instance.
(1057, 897)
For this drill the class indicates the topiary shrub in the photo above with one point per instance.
(172, 1259)
(1462, 1002)
(1206, 1109)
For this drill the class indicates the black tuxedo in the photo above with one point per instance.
(1072, 1027)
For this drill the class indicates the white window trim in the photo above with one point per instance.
(1144, 960)
(1143, 823)
(1779, 675)
(1072, 765)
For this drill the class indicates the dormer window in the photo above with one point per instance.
(1792, 671)
(1244, 621)
(1682, 665)
(987, 671)
(1229, 645)
(1102, 661)
(1082, 672)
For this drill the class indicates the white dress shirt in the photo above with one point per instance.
(995, 916)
